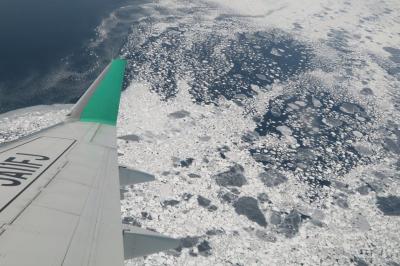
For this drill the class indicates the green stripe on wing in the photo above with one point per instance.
(104, 104)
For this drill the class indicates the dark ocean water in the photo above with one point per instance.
(49, 51)
(35, 33)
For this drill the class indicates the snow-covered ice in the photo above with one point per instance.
(272, 128)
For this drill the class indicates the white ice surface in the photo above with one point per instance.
(358, 231)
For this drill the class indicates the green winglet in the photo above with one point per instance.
(104, 104)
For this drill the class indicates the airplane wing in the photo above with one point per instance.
(60, 189)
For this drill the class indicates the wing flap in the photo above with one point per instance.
(129, 176)
(39, 236)
(140, 242)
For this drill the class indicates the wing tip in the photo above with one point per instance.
(100, 103)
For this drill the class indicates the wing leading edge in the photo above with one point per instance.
(59, 189)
